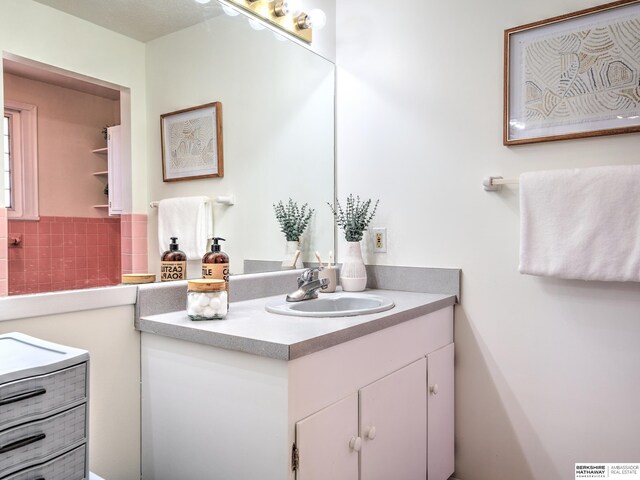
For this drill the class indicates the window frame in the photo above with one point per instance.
(7, 169)
(24, 160)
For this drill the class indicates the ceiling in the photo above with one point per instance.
(51, 76)
(143, 20)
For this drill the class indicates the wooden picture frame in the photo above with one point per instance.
(192, 143)
(573, 76)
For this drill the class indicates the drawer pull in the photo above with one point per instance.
(22, 396)
(22, 443)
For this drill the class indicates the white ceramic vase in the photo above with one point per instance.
(353, 274)
(289, 255)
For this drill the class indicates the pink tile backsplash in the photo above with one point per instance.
(67, 253)
(62, 253)
(134, 243)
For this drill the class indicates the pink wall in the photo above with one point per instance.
(134, 243)
(73, 245)
(63, 253)
(4, 268)
(69, 128)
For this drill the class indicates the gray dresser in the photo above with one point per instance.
(44, 418)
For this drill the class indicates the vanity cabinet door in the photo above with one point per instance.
(440, 413)
(327, 442)
(393, 425)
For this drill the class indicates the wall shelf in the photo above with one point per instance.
(112, 175)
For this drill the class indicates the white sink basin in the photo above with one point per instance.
(334, 305)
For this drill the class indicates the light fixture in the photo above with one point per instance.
(282, 15)
(317, 18)
(287, 7)
(314, 19)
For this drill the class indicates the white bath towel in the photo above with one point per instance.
(188, 218)
(581, 223)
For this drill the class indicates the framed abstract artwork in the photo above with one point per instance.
(572, 76)
(192, 143)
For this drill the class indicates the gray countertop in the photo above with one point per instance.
(250, 328)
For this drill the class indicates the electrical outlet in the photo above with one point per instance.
(379, 239)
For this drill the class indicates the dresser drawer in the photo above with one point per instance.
(70, 466)
(39, 441)
(33, 396)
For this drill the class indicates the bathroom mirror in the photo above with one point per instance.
(278, 128)
(278, 122)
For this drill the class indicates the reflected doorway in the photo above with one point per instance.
(70, 240)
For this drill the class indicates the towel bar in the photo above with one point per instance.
(222, 200)
(494, 184)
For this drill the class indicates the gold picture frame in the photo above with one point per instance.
(192, 143)
(572, 76)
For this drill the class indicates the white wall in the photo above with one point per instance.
(114, 405)
(547, 370)
(31, 30)
(34, 31)
(277, 121)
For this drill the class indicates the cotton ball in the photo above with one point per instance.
(203, 300)
(208, 312)
(197, 309)
(215, 304)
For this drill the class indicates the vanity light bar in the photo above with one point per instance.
(265, 12)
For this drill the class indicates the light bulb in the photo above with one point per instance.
(232, 12)
(255, 24)
(317, 19)
(292, 7)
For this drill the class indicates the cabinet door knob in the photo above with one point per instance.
(355, 444)
(434, 389)
(371, 433)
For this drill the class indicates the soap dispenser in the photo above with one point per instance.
(215, 264)
(173, 264)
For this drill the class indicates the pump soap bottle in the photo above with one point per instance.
(173, 264)
(215, 264)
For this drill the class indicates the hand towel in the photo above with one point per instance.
(581, 223)
(188, 218)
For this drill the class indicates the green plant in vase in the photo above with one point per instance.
(293, 222)
(354, 219)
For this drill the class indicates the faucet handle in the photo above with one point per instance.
(307, 276)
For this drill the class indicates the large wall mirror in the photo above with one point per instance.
(278, 123)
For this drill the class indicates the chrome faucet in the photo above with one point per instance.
(308, 286)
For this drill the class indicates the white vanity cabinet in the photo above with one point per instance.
(383, 428)
(384, 423)
(378, 406)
